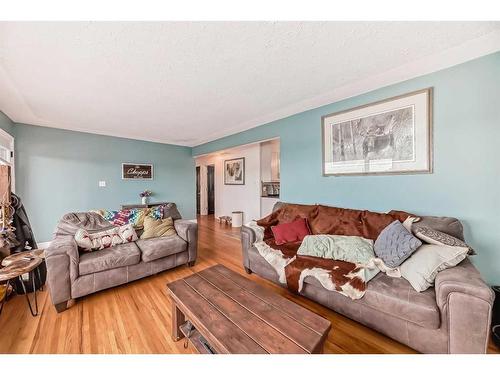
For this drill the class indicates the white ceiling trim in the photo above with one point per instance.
(467, 51)
(15, 99)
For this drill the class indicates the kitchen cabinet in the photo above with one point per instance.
(270, 161)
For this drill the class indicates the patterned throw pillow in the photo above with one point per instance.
(436, 237)
(395, 244)
(134, 216)
(127, 233)
(137, 216)
(117, 217)
(83, 240)
(157, 212)
(106, 238)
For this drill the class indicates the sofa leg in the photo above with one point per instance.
(60, 307)
(191, 264)
(248, 270)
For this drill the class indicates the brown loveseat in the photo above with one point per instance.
(452, 317)
(72, 274)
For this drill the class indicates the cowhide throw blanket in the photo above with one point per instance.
(343, 277)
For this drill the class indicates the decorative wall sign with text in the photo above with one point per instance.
(132, 171)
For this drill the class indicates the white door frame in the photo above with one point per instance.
(203, 190)
(7, 140)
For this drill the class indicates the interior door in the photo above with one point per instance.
(211, 189)
(198, 190)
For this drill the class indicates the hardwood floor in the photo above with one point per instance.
(135, 318)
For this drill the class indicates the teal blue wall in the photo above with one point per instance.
(466, 178)
(6, 123)
(57, 171)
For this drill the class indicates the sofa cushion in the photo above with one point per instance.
(397, 298)
(126, 254)
(156, 248)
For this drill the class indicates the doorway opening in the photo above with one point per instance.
(254, 194)
(198, 190)
(211, 189)
(205, 189)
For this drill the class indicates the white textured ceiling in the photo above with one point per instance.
(190, 82)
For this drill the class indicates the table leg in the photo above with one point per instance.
(178, 319)
(32, 277)
(5, 296)
(39, 277)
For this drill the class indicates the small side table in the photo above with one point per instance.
(15, 266)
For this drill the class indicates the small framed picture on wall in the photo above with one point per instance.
(234, 171)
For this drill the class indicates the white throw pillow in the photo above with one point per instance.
(423, 266)
(83, 240)
(127, 233)
(106, 238)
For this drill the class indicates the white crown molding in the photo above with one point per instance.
(107, 134)
(467, 51)
(12, 97)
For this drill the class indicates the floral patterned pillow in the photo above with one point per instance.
(134, 216)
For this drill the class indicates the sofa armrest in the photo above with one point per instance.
(188, 231)
(62, 259)
(465, 302)
(248, 237)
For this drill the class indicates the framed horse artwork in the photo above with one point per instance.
(392, 136)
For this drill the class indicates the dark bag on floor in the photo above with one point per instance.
(495, 318)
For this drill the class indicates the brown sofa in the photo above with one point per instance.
(452, 317)
(72, 274)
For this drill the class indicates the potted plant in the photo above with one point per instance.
(145, 196)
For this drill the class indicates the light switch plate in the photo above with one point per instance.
(102, 183)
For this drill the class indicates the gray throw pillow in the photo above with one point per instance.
(395, 244)
(448, 225)
(170, 210)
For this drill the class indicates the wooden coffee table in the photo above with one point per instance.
(235, 315)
